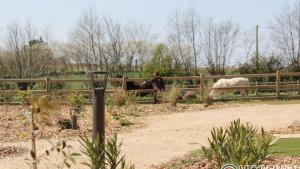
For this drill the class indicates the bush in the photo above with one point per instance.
(121, 98)
(238, 144)
(24, 96)
(58, 85)
(265, 65)
(207, 98)
(174, 95)
(113, 158)
(64, 124)
(124, 122)
(76, 100)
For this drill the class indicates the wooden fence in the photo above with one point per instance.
(200, 84)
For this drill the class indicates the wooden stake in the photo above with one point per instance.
(202, 89)
(124, 83)
(277, 84)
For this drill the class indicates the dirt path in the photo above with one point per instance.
(168, 136)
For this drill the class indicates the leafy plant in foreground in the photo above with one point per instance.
(39, 109)
(113, 158)
(238, 144)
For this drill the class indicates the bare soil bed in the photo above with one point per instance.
(15, 126)
(168, 133)
(188, 162)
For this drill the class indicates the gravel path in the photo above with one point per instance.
(168, 136)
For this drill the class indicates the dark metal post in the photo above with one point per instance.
(74, 112)
(99, 112)
(99, 119)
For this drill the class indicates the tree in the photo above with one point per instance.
(87, 42)
(160, 61)
(114, 47)
(139, 38)
(192, 32)
(184, 38)
(175, 38)
(286, 34)
(218, 44)
(26, 54)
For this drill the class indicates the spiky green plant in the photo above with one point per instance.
(92, 149)
(112, 152)
(238, 144)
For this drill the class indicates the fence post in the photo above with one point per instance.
(202, 89)
(256, 88)
(277, 84)
(298, 83)
(47, 85)
(124, 83)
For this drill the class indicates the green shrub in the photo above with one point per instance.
(113, 158)
(58, 85)
(125, 122)
(24, 96)
(76, 100)
(64, 124)
(238, 144)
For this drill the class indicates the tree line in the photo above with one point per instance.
(193, 43)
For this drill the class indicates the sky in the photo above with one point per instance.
(59, 16)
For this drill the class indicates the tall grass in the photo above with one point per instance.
(122, 98)
(174, 95)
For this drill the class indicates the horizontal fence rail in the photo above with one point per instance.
(199, 84)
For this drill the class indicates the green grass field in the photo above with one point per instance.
(290, 147)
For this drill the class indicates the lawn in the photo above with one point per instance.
(290, 147)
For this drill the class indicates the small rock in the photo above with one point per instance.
(190, 95)
(296, 123)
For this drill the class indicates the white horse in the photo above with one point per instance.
(234, 82)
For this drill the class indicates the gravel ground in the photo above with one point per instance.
(173, 135)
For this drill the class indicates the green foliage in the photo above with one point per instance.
(264, 65)
(58, 85)
(64, 124)
(24, 96)
(174, 95)
(76, 100)
(161, 61)
(238, 144)
(92, 149)
(124, 122)
(113, 158)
